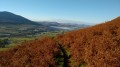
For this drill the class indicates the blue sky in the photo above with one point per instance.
(91, 11)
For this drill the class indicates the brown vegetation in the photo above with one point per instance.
(97, 46)
(37, 53)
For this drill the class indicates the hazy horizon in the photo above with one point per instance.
(94, 11)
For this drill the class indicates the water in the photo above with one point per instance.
(65, 28)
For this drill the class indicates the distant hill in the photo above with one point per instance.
(63, 26)
(12, 25)
(8, 18)
(48, 23)
(11, 18)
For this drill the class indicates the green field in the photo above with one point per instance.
(18, 40)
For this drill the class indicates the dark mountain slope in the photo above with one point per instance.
(97, 46)
(10, 18)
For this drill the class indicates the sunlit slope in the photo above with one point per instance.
(97, 46)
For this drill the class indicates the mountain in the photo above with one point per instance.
(96, 46)
(63, 26)
(10, 18)
(48, 23)
(12, 25)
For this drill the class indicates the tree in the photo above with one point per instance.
(3, 42)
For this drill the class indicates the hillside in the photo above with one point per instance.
(10, 18)
(96, 46)
(12, 25)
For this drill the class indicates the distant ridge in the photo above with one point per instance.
(11, 18)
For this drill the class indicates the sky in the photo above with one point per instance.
(89, 11)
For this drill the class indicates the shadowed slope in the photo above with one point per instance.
(10, 18)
